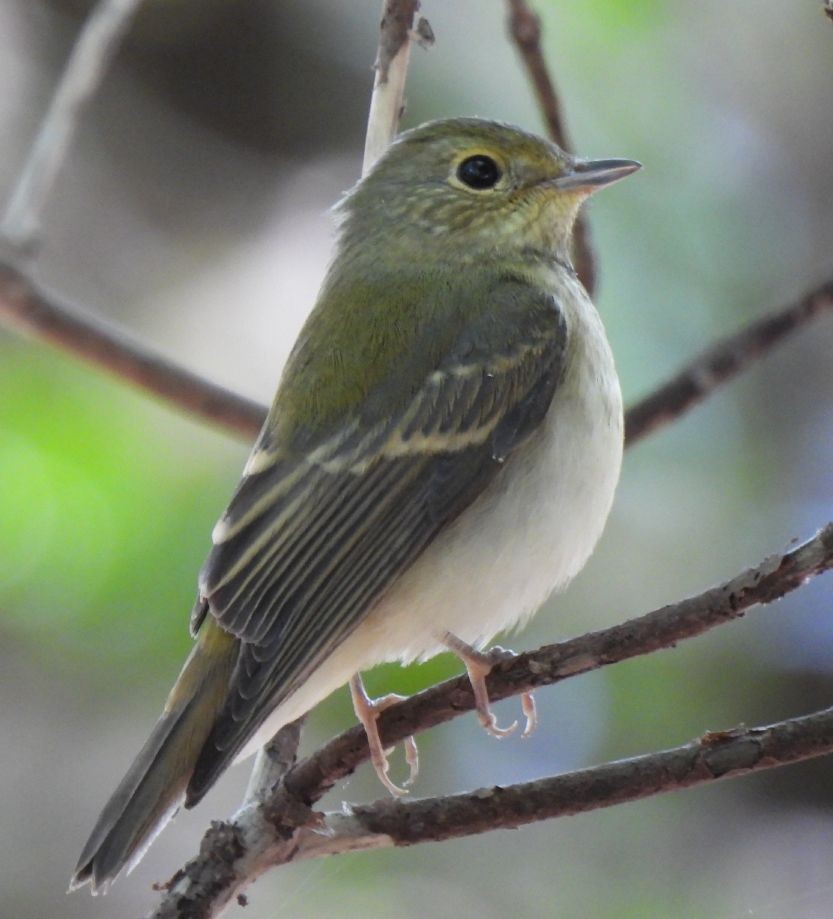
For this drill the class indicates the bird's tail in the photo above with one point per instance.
(151, 792)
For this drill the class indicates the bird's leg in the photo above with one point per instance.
(367, 711)
(479, 665)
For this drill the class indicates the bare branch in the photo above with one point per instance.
(716, 755)
(282, 824)
(722, 362)
(91, 55)
(525, 29)
(662, 628)
(90, 339)
(111, 350)
(273, 761)
(386, 102)
(206, 886)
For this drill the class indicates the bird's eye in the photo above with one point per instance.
(479, 172)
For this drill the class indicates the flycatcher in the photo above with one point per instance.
(441, 455)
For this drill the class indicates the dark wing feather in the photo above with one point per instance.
(308, 545)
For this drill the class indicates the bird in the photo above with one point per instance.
(441, 455)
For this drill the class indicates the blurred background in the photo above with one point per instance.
(193, 212)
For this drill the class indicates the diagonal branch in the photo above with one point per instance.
(662, 628)
(723, 361)
(716, 755)
(268, 835)
(91, 55)
(110, 349)
(525, 29)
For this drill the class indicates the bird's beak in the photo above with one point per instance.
(590, 175)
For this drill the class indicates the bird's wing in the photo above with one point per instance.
(308, 545)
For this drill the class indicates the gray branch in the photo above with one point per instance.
(91, 55)
(525, 30)
(25, 307)
(284, 827)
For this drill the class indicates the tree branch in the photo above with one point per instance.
(397, 822)
(273, 761)
(525, 29)
(387, 100)
(716, 755)
(269, 834)
(200, 892)
(110, 349)
(662, 628)
(91, 54)
(723, 361)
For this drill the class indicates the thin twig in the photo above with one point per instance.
(111, 350)
(91, 54)
(722, 362)
(386, 101)
(273, 761)
(221, 869)
(525, 29)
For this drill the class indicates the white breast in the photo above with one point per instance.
(527, 535)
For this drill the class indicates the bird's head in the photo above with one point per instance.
(466, 186)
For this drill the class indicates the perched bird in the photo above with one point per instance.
(441, 455)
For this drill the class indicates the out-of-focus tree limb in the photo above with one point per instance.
(723, 361)
(91, 55)
(108, 348)
(525, 29)
(284, 827)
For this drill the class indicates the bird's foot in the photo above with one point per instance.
(367, 711)
(479, 665)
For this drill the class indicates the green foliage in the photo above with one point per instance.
(104, 524)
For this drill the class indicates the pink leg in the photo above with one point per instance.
(367, 711)
(479, 665)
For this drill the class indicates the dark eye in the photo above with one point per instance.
(479, 172)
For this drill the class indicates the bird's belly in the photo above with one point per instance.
(527, 535)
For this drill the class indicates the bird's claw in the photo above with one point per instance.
(367, 711)
(479, 665)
